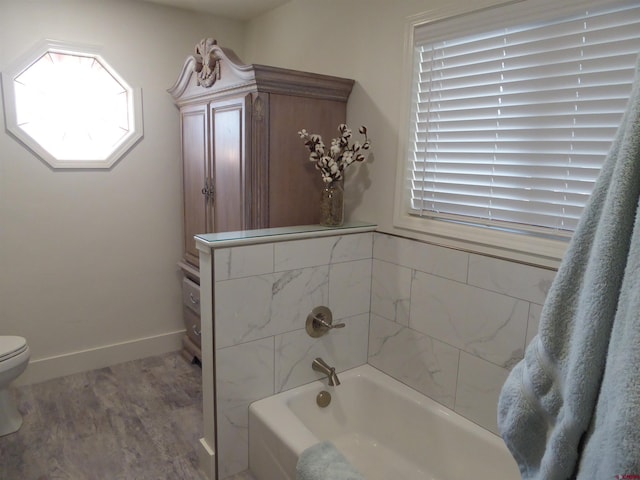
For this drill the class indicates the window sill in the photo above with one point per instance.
(522, 248)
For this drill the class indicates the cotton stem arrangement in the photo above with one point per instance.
(333, 161)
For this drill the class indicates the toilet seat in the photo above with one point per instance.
(10, 346)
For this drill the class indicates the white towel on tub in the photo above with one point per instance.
(323, 461)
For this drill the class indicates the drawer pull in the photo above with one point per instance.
(193, 299)
(195, 330)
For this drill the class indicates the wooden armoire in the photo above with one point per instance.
(244, 165)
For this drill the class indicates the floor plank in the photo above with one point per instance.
(138, 420)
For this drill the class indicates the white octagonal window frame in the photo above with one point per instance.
(69, 107)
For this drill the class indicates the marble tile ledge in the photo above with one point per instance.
(207, 241)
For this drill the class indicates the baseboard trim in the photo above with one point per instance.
(44, 369)
(207, 459)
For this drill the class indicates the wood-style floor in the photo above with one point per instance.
(139, 420)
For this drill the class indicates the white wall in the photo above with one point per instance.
(362, 40)
(88, 258)
(261, 346)
(448, 323)
(452, 324)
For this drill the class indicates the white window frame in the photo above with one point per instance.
(134, 95)
(518, 246)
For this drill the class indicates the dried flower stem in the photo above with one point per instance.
(339, 156)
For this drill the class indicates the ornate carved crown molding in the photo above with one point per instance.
(207, 63)
(204, 69)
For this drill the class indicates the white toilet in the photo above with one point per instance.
(14, 357)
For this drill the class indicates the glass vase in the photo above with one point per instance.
(332, 204)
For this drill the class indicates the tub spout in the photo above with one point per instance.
(319, 365)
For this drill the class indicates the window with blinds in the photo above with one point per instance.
(512, 119)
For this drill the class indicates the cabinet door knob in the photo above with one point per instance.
(207, 190)
(193, 299)
(195, 330)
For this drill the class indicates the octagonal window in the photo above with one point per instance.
(71, 109)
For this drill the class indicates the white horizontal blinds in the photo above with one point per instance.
(512, 126)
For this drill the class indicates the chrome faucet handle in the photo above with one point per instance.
(320, 321)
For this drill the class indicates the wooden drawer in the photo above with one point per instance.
(192, 325)
(191, 295)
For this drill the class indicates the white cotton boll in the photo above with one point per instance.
(338, 156)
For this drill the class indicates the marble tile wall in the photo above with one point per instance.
(448, 323)
(451, 324)
(263, 294)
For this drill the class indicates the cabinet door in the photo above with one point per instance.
(195, 145)
(227, 132)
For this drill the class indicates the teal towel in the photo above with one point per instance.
(323, 461)
(571, 408)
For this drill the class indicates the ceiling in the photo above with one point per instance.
(236, 9)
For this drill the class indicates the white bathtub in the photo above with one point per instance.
(386, 429)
